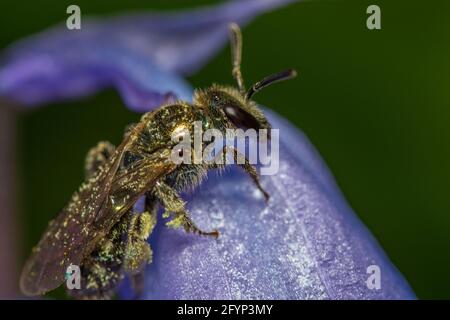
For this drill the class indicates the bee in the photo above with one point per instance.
(99, 230)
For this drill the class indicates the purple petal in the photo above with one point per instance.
(306, 244)
(142, 55)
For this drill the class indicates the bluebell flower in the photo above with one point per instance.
(143, 55)
(306, 243)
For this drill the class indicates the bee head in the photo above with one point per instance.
(236, 104)
(227, 104)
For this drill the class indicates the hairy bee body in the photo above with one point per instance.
(125, 250)
(162, 125)
(100, 229)
(109, 262)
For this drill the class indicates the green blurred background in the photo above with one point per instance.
(374, 103)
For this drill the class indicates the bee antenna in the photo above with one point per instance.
(273, 78)
(236, 55)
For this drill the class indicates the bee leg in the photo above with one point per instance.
(97, 156)
(243, 162)
(137, 251)
(172, 202)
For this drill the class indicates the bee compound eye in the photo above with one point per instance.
(241, 118)
(230, 111)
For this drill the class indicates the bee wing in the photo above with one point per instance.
(89, 216)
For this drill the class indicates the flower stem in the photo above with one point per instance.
(8, 215)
